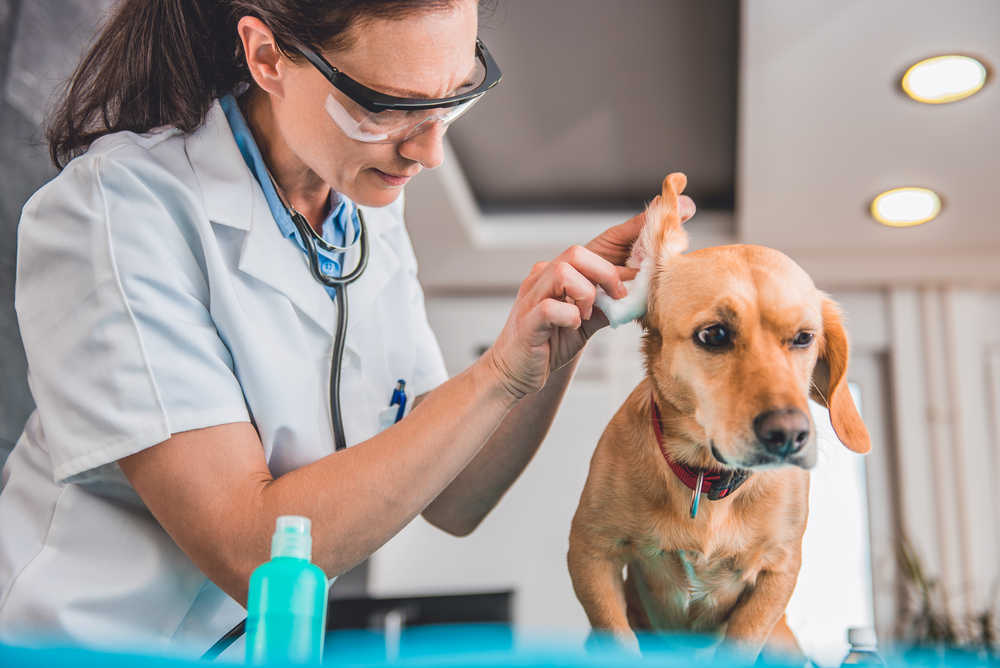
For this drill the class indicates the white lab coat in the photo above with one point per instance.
(155, 294)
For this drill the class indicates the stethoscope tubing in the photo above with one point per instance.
(310, 240)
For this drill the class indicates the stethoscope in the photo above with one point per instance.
(311, 240)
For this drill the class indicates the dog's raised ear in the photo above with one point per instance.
(829, 382)
(662, 235)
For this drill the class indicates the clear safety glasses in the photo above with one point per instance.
(369, 116)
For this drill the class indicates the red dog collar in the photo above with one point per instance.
(717, 483)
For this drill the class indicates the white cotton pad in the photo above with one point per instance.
(633, 305)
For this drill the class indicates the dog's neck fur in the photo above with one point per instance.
(684, 441)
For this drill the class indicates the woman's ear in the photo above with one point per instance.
(829, 382)
(262, 55)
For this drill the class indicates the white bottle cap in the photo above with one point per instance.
(862, 636)
(293, 524)
(292, 537)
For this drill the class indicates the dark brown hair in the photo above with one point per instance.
(161, 62)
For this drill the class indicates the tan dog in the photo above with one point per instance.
(736, 338)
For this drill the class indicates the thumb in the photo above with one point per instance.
(615, 243)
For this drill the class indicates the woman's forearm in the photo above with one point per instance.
(479, 487)
(360, 497)
(212, 491)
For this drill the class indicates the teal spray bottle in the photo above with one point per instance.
(286, 604)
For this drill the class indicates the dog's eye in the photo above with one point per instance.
(803, 339)
(715, 336)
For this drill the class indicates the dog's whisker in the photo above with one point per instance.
(818, 391)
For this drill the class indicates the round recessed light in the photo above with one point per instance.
(944, 79)
(905, 207)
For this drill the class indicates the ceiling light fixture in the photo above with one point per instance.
(944, 79)
(906, 207)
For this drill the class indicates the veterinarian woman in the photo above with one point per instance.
(180, 341)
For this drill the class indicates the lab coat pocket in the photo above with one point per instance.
(387, 417)
(395, 336)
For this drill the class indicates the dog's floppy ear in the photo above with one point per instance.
(829, 386)
(662, 235)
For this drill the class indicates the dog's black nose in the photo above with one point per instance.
(782, 432)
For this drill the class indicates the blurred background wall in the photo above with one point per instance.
(788, 119)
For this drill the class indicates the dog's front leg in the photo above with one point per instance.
(597, 581)
(752, 621)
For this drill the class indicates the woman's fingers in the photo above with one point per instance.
(563, 282)
(529, 282)
(595, 269)
(615, 243)
(548, 314)
(572, 276)
(627, 273)
(560, 295)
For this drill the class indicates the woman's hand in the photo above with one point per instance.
(554, 315)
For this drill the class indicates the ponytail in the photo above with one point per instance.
(155, 62)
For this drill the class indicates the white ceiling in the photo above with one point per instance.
(822, 129)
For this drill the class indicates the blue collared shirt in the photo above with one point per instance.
(341, 209)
